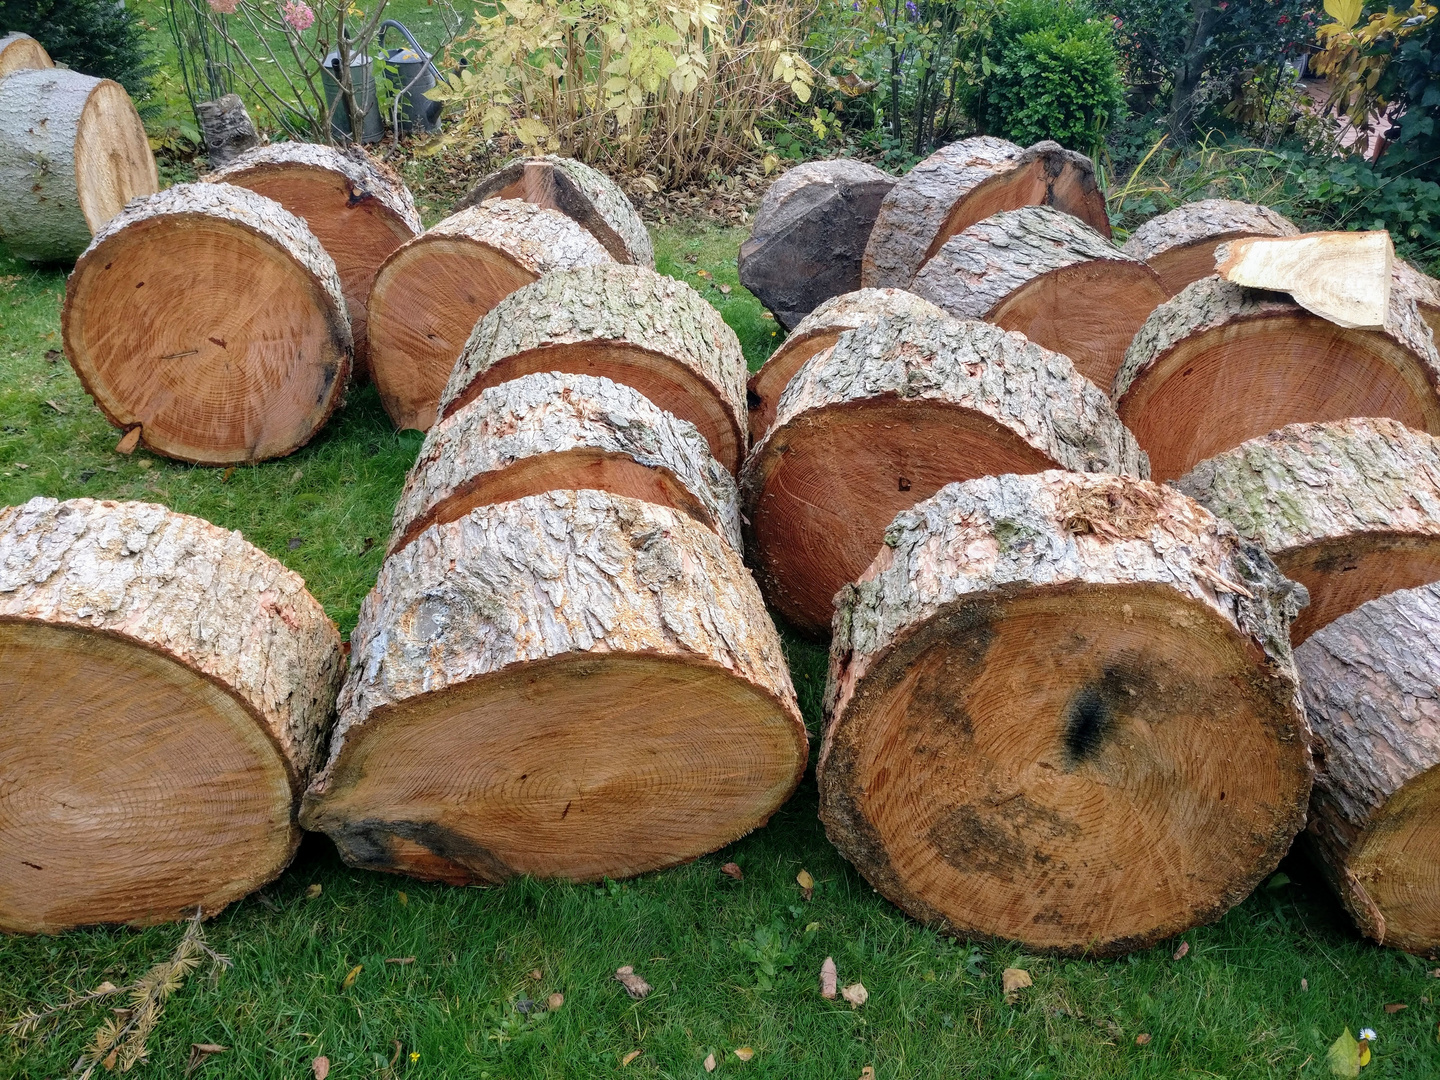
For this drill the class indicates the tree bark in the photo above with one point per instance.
(1219, 364)
(585, 195)
(571, 685)
(1191, 70)
(1180, 245)
(432, 291)
(967, 182)
(1423, 289)
(547, 431)
(73, 152)
(169, 689)
(357, 207)
(227, 130)
(1350, 509)
(628, 324)
(211, 317)
(1063, 710)
(894, 411)
(1369, 680)
(809, 235)
(1052, 278)
(814, 334)
(21, 52)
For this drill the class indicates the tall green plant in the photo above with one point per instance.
(96, 37)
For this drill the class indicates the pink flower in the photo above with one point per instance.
(224, 7)
(297, 13)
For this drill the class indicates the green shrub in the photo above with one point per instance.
(96, 37)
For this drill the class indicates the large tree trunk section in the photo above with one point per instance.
(817, 332)
(809, 235)
(1423, 289)
(21, 52)
(211, 317)
(572, 685)
(547, 431)
(358, 209)
(1369, 680)
(625, 323)
(893, 412)
(1341, 276)
(167, 691)
(966, 182)
(1219, 364)
(1062, 709)
(1051, 277)
(73, 152)
(585, 195)
(1180, 245)
(431, 292)
(228, 131)
(1350, 509)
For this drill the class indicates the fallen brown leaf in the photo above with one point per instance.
(1014, 980)
(128, 441)
(320, 1067)
(53, 356)
(1396, 1007)
(1142, 1038)
(536, 974)
(709, 1062)
(730, 869)
(725, 290)
(828, 979)
(855, 994)
(634, 985)
(313, 891)
(867, 1073)
(554, 1001)
(398, 1051)
(400, 960)
(350, 978)
(807, 884)
(1181, 951)
(1304, 984)
(631, 1056)
(199, 1052)
(56, 407)
(745, 1053)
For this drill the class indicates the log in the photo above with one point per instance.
(572, 685)
(966, 182)
(1369, 680)
(809, 235)
(21, 52)
(1350, 509)
(430, 293)
(585, 195)
(1063, 710)
(1421, 288)
(73, 152)
(228, 131)
(814, 334)
(1180, 245)
(625, 323)
(1219, 364)
(356, 206)
(1051, 277)
(168, 691)
(212, 318)
(545, 431)
(893, 412)
(1341, 276)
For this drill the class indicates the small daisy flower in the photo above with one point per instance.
(1367, 1034)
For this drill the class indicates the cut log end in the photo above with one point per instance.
(1180, 245)
(21, 52)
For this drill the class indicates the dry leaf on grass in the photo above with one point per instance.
(745, 1053)
(1395, 1007)
(634, 985)
(867, 1073)
(128, 441)
(1304, 984)
(807, 884)
(1181, 951)
(1014, 980)
(404, 900)
(855, 994)
(350, 978)
(828, 979)
(730, 869)
(631, 1056)
(401, 960)
(536, 974)
(199, 1052)
(554, 1001)
(313, 891)
(1142, 1039)
(709, 1062)
(320, 1067)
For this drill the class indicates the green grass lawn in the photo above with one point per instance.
(1232, 1007)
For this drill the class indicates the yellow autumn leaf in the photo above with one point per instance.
(805, 880)
(350, 979)
(744, 1053)
(631, 1056)
(1345, 12)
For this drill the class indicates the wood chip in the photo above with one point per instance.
(744, 1053)
(634, 985)
(320, 1067)
(536, 974)
(400, 960)
(554, 1001)
(129, 441)
(1181, 951)
(709, 1062)
(730, 869)
(828, 979)
(855, 994)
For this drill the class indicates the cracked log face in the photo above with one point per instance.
(1350, 509)
(817, 332)
(894, 411)
(1370, 681)
(572, 685)
(547, 431)
(357, 207)
(624, 323)
(167, 691)
(431, 292)
(809, 235)
(211, 317)
(966, 182)
(1180, 245)
(1219, 364)
(1062, 710)
(1050, 277)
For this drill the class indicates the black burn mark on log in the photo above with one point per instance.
(999, 840)
(1087, 721)
(369, 844)
(1123, 692)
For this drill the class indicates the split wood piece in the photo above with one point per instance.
(211, 317)
(545, 431)
(1063, 710)
(73, 152)
(585, 195)
(809, 235)
(168, 691)
(1219, 364)
(1052, 278)
(1350, 509)
(817, 332)
(1370, 681)
(1341, 276)
(432, 291)
(21, 52)
(1180, 245)
(966, 182)
(1421, 288)
(228, 131)
(357, 207)
(893, 412)
(572, 685)
(625, 323)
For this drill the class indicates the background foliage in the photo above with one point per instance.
(97, 37)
